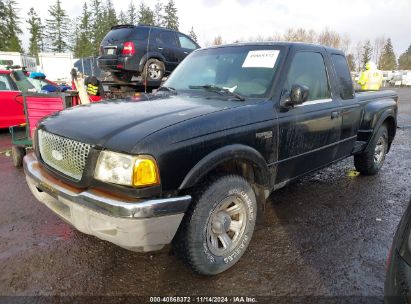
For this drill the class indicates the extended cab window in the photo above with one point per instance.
(186, 43)
(308, 68)
(4, 83)
(346, 88)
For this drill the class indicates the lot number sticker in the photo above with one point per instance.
(261, 59)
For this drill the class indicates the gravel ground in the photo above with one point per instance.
(326, 234)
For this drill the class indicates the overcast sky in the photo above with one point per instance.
(236, 19)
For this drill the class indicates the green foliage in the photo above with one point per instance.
(10, 27)
(3, 28)
(367, 53)
(83, 43)
(158, 14)
(57, 28)
(36, 33)
(145, 15)
(132, 14)
(193, 35)
(170, 16)
(388, 61)
(122, 18)
(404, 62)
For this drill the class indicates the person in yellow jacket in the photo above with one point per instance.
(371, 78)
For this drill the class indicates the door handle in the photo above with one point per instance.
(335, 114)
(186, 53)
(160, 48)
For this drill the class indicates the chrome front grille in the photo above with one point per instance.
(65, 155)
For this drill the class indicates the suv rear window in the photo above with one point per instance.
(127, 33)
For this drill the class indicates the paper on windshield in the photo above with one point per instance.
(261, 59)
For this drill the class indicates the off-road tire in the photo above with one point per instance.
(193, 241)
(151, 68)
(17, 154)
(370, 162)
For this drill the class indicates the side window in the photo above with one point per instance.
(344, 76)
(308, 68)
(166, 38)
(186, 43)
(4, 83)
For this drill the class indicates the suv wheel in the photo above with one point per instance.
(218, 227)
(153, 70)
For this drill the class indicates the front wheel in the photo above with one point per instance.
(371, 161)
(218, 227)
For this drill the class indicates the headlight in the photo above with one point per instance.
(123, 169)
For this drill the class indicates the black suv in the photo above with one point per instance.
(149, 51)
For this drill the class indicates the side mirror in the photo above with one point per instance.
(298, 95)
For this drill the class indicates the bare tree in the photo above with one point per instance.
(300, 35)
(218, 40)
(358, 54)
(329, 38)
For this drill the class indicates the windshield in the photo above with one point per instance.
(246, 70)
(38, 83)
(23, 84)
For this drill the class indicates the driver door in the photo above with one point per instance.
(308, 133)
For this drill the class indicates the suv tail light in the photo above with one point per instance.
(129, 48)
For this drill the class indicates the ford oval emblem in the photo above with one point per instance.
(57, 155)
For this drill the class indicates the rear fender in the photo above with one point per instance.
(147, 56)
(375, 114)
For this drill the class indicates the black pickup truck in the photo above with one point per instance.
(194, 164)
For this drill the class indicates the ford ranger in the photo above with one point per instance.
(194, 163)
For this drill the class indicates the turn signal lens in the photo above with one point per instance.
(145, 173)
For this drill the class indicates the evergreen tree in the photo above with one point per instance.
(388, 61)
(57, 28)
(145, 15)
(36, 36)
(132, 17)
(367, 53)
(11, 39)
(97, 25)
(83, 43)
(122, 18)
(351, 62)
(404, 62)
(158, 14)
(110, 16)
(170, 16)
(3, 28)
(193, 35)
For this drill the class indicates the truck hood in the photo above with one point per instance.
(107, 124)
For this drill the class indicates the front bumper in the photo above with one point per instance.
(138, 225)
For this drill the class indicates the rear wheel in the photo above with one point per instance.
(371, 161)
(17, 154)
(218, 227)
(154, 70)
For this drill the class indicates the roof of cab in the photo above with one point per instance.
(298, 45)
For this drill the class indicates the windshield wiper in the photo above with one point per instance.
(217, 89)
(167, 89)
